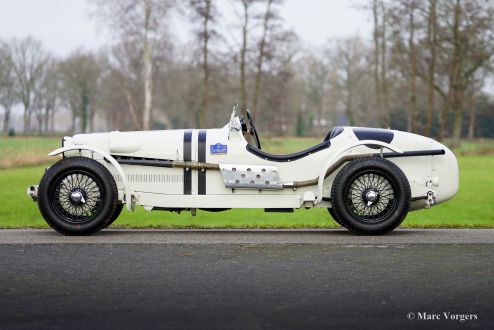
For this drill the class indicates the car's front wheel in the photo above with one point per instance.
(371, 196)
(114, 216)
(77, 196)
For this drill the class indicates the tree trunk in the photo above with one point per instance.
(443, 116)
(457, 86)
(377, 81)
(349, 101)
(74, 117)
(319, 115)
(148, 71)
(203, 112)
(431, 42)
(26, 118)
(91, 118)
(349, 110)
(473, 118)
(52, 121)
(130, 103)
(281, 123)
(413, 121)
(46, 119)
(28, 124)
(6, 119)
(84, 111)
(384, 86)
(39, 117)
(458, 119)
(260, 59)
(243, 54)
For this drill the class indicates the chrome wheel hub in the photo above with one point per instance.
(77, 197)
(371, 196)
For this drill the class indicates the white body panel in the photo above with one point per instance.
(162, 187)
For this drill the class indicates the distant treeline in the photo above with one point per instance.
(424, 69)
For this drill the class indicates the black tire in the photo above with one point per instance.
(335, 218)
(371, 196)
(115, 215)
(60, 191)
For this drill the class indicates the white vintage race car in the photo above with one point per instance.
(368, 179)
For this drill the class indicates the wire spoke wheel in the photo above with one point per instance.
(77, 196)
(371, 197)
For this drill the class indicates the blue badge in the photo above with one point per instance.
(218, 149)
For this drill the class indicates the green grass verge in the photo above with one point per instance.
(472, 207)
(26, 151)
(474, 147)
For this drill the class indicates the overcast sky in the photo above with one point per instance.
(65, 25)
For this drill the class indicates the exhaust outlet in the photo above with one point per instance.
(32, 191)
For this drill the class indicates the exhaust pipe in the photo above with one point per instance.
(32, 191)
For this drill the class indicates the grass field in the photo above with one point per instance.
(22, 151)
(472, 207)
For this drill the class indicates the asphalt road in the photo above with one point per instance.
(246, 280)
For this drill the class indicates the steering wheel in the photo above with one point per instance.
(252, 129)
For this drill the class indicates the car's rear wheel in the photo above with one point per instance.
(371, 196)
(77, 196)
(333, 215)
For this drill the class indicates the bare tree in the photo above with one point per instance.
(380, 17)
(128, 69)
(474, 100)
(444, 43)
(384, 89)
(406, 55)
(8, 85)
(80, 74)
(45, 97)
(431, 67)
(29, 60)
(141, 22)
(467, 43)
(350, 65)
(376, 6)
(269, 17)
(280, 85)
(148, 67)
(113, 100)
(316, 79)
(246, 7)
(206, 11)
(473, 47)
(413, 115)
